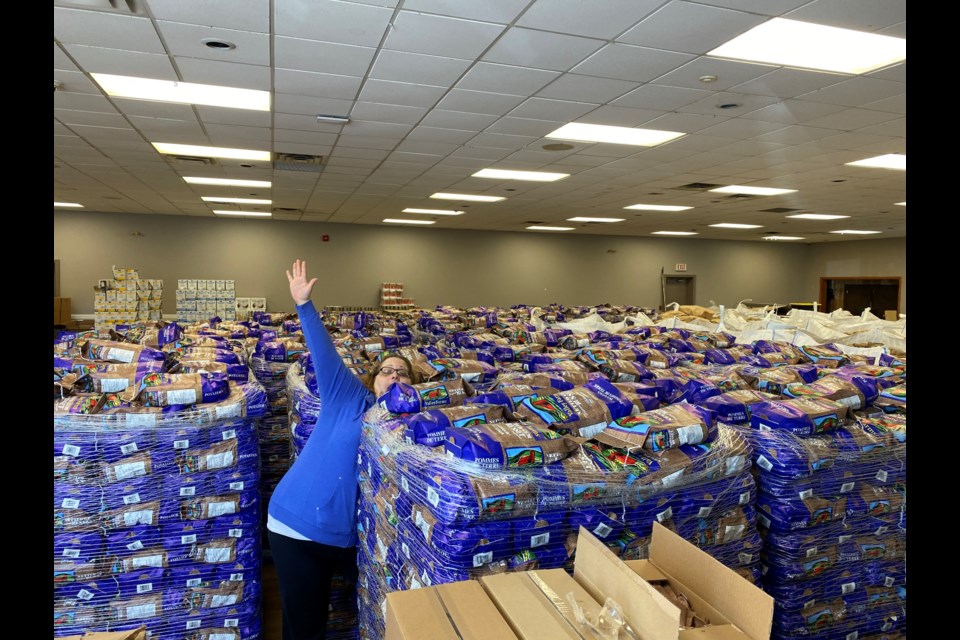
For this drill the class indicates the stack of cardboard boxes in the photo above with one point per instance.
(199, 300)
(605, 598)
(126, 298)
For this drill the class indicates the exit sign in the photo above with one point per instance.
(680, 266)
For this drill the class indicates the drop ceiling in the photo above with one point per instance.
(438, 89)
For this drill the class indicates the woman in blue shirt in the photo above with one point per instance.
(312, 517)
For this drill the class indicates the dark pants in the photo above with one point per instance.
(304, 570)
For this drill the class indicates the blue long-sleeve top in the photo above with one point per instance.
(317, 497)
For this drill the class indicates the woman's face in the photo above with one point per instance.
(391, 370)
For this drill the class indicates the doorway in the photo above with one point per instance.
(856, 294)
(679, 289)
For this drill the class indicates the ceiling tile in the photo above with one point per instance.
(628, 62)
(387, 113)
(685, 122)
(332, 21)
(622, 116)
(796, 134)
(96, 118)
(435, 134)
(122, 62)
(895, 104)
(529, 48)
(244, 15)
(321, 85)
(155, 128)
(501, 11)
(726, 72)
(593, 18)
(225, 115)
(417, 68)
(228, 74)
(500, 141)
(358, 127)
(458, 120)
(307, 137)
(367, 142)
(82, 102)
(662, 98)
(856, 92)
(765, 7)
(741, 128)
(851, 119)
(575, 87)
(240, 137)
(788, 83)
(129, 106)
(861, 15)
(93, 28)
(437, 35)
(894, 128)
(417, 146)
(325, 57)
(478, 102)
(187, 40)
(75, 82)
(401, 93)
(897, 73)
(523, 126)
(792, 111)
(690, 28)
(559, 110)
(712, 104)
(307, 105)
(485, 76)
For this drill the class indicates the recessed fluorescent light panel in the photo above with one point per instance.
(752, 191)
(855, 232)
(783, 238)
(535, 176)
(674, 233)
(657, 207)
(536, 227)
(236, 200)
(434, 212)
(792, 43)
(466, 196)
(902, 204)
(402, 221)
(817, 216)
(889, 161)
(251, 214)
(182, 92)
(616, 135)
(584, 219)
(735, 225)
(210, 152)
(68, 204)
(228, 182)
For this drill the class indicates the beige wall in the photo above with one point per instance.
(437, 266)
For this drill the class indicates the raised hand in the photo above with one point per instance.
(300, 287)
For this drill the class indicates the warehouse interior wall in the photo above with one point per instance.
(882, 258)
(461, 268)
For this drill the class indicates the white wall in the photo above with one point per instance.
(437, 266)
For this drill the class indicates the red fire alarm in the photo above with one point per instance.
(325, 238)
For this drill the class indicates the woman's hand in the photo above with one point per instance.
(300, 287)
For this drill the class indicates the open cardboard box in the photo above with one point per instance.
(535, 604)
(453, 611)
(735, 608)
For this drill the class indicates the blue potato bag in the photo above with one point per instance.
(805, 416)
(503, 445)
(735, 407)
(429, 427)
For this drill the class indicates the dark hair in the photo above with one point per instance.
(368, 378)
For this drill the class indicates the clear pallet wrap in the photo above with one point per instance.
(427, 518)
(156, 518)
(832, 510)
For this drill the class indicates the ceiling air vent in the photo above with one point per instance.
(699, 186)
(298, 162)
(779, 210)
(195, 160)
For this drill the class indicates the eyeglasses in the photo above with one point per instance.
(401, 373)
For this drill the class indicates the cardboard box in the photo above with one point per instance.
(735, 608)
(454, 611)
(891, 314)
(62, 311)
(535, 605)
